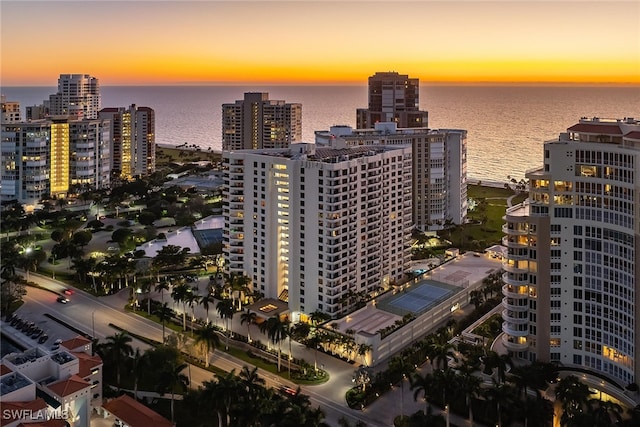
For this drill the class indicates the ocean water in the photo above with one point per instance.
(507, 125)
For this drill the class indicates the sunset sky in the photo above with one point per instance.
(176, 42)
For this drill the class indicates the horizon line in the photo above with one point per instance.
(363, 84)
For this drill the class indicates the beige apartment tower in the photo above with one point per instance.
(258, 122)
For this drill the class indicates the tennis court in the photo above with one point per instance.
(418, 298)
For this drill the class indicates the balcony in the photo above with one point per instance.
(514, 329)
(515, 344)
(515, 317)
(515, 304)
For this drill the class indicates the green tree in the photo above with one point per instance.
(276, 331)
(226, 310)
(164, 313)
(117, 350)
(180, 294)
(172, 378)
(249, 317)
(207, 337)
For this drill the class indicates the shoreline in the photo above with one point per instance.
(197, 148)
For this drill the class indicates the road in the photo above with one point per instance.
(93, 316)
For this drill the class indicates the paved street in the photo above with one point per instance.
(93, 316)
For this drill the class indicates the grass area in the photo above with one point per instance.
(479, 192)
(485, 227)
(166, 155)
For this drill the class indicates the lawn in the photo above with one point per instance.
(485, 219)
(166, 155)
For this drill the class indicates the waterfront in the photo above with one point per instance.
(507, 125)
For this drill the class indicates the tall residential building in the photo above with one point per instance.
(571, 293)
(439, 167)
(10, 110)
(395, 98)
(258, 122)
(312, 226)
(133, 140)
(53, 157)
(78, 96)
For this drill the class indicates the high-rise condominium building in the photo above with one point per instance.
(53, 157)
(258, 122)
(133, 140)
(439, 167)
(571, 293)
(395, 98)
(311, 226)
(10, 111)
(78, 96)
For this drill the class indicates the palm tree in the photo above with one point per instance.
(162, 286)
(276, 331)
(226, 310)
(206, 301)
(252, 382)
(422, 384)
(192, 299)
(118, 349)
(164, 313)
(573, 396)
(223, 392)
(494, 360)
(469, 384)
(207, 337)
(140, 364)
(501, 395)
(172, 378)
(440, 352)
(237, 284)
(180, 294)
(249, 317)
(363, 350)
(146, 285)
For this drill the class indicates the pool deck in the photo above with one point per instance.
(466, 269)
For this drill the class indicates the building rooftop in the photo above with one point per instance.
(14, 408)
(67, 387)
(75, 343)
(134, 413)
(12, 382)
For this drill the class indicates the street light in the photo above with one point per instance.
(93, 325)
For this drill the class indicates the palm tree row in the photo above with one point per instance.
(243, 400)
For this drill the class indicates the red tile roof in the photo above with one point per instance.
(134, 413)
(633, 135)
(33, 405)
(67, 387)
(607, 129)
(75, 343)
(48, 423)
(86, 363)
(4, 369)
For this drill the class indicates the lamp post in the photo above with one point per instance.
(93, 324)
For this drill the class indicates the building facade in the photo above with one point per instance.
(395, 98)
(78, 96)
(571, 293)
(439, 167)
(133, 141)
(10, 111)
(53, 157)
(257, 122)
(315, 226)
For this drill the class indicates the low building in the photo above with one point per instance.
(64, 385)
(131, 413)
